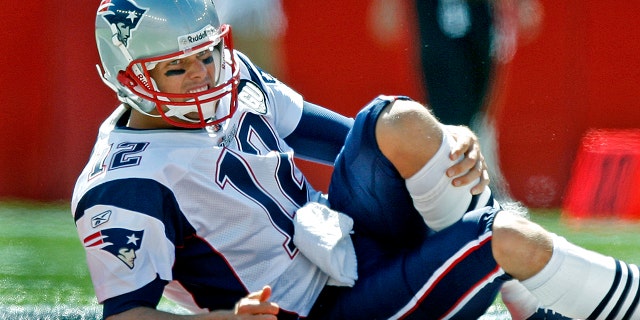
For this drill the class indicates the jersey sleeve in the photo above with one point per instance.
(322, 145)
(147, 296)
(127, 241)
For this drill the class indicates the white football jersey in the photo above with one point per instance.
(209, 210)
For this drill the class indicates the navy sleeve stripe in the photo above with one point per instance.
(145, 196)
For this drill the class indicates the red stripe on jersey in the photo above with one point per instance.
(92, 238)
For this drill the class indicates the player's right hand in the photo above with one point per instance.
(256, 306)
(473, 166)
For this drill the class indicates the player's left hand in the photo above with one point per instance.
(473, 163)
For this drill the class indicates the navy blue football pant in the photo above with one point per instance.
(405, 270)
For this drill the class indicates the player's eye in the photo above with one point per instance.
(174, 68)
(205, 56)
(207, 60)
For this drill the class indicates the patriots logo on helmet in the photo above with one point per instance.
(122, 243)
(123, 16)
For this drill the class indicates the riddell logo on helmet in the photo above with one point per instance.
(191, 40)
(198, 37)
(144, 81)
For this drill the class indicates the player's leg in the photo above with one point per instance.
(419, 148)
(562, 276)
(521, 247)
(439, 203)
(398, 263)
(366, 186)
(450, 274)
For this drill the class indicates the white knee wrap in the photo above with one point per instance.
(438, 201)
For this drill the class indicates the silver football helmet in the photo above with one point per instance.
(134, 35)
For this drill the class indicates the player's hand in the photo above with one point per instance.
(256, 306)
(473, 165)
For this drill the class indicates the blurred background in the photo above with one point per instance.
(559, 71)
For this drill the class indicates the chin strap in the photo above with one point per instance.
(206, 111)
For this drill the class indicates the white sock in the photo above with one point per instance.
(582, 284)
(518, 300)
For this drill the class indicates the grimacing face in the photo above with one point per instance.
(185, 75)
(191, 74)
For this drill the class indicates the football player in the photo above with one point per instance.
(192, 189)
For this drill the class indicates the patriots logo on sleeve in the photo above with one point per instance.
(122, 243)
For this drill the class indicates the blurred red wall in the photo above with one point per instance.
(342, 54)
(581, 71)
(53, 100)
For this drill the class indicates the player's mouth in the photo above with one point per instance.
(208, 109)
(199, 89)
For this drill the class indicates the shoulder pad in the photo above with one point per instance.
(252, 96)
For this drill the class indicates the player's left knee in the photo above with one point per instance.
(409, 116)
(408, 135)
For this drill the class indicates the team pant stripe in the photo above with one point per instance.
(473, 291)
(623, 296)
(636, 299)
(616, 282)
(442, 275)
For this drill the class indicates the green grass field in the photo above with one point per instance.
(43, 274)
